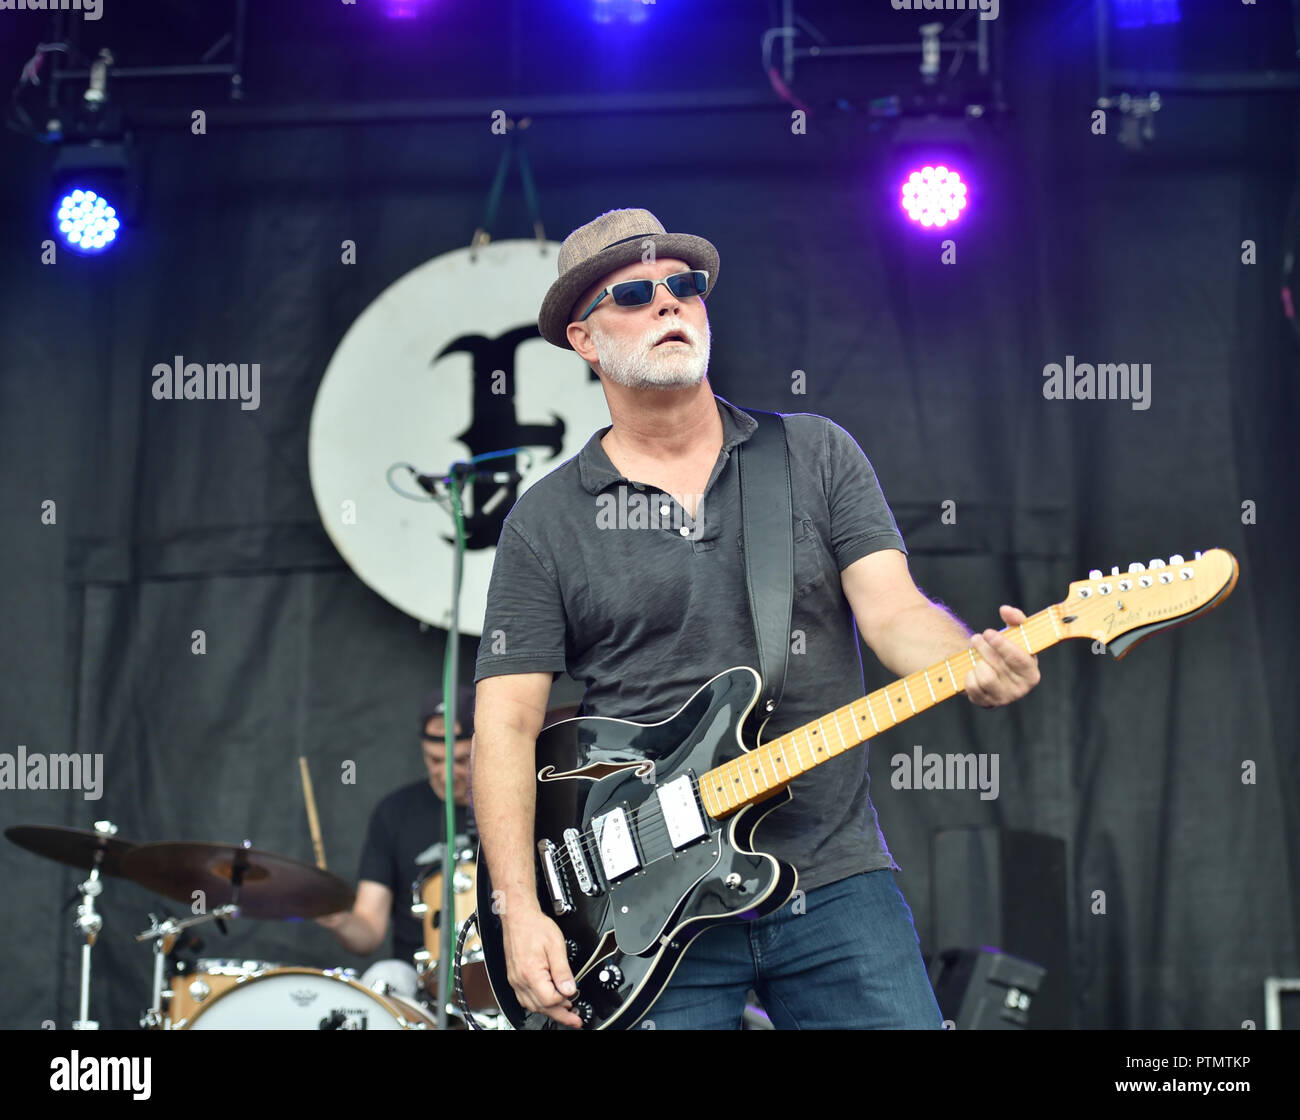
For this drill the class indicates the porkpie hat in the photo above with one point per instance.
(615, 239)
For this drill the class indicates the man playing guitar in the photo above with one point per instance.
(643, 611)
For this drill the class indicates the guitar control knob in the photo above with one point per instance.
(584, 1011)
(610, 977)
(571, 949)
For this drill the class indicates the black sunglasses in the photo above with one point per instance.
(635, 293)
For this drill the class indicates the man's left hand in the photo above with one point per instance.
(1005, 671)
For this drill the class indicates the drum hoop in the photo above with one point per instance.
(222, 966)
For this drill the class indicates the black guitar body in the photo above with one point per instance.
(643, 870)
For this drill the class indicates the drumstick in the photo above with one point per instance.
(313, 821)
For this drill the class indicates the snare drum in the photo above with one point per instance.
(302, 999)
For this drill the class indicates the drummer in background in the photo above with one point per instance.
(405, 838)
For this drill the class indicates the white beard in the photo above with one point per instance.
(640, 365)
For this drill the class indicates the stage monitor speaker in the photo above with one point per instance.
(1006, 888)
(1281, 1004)
(985, 990)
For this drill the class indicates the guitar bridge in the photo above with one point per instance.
(556, 886)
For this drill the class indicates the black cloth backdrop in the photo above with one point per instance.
(172, 519)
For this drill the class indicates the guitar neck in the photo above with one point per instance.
(765, 771)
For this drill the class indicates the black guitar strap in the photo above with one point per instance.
(767, 521)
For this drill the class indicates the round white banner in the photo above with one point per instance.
(444, 365)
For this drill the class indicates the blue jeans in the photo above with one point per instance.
(850, 960)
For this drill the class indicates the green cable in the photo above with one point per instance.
(449, 765)
(449, 733)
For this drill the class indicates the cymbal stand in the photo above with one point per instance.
(163, 935)
(89, 923)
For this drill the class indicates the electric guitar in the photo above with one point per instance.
(643, 832)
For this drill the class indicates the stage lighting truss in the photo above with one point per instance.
(1142, 59)
(957, 65)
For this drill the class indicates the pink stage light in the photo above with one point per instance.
(934, 196)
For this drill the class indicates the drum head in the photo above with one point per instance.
(300, 999)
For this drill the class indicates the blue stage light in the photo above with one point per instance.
(626, 12)
(86, 222)
(1146, 13)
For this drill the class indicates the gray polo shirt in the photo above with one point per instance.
(610, 580)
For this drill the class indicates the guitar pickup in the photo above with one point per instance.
(680, 812)
(578, 861)
(556, 886)
(614, 843)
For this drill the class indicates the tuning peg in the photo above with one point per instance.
(1156, 564)
(1175, 559)
(1136, 567)
(1198, 555)
(1095, 573)
(1114, 571)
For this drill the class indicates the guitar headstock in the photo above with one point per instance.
(1126, 607)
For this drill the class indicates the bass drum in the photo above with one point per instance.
(193, 988)
(304, 999)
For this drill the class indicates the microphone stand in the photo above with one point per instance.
(453, 484)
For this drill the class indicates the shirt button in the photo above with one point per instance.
(685, 532)
(665, 510)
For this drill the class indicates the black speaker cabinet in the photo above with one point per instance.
(984, 990)
(1006, 889)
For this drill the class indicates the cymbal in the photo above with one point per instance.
(271, 886)
(75, 846)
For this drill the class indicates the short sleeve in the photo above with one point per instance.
(378, 859)
(861, 520)
(523, 626)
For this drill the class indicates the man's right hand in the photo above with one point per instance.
(537, 965)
